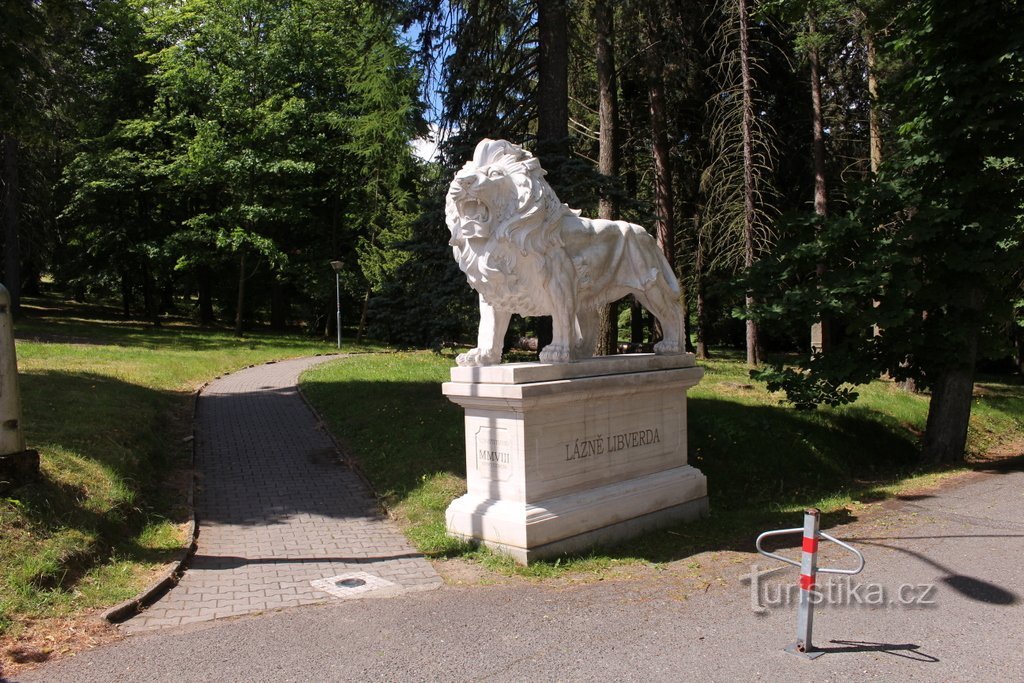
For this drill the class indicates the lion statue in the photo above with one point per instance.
(526, 252)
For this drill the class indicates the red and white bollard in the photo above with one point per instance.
(808, 575)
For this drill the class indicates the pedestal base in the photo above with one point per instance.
(561, 458)
(578, 521)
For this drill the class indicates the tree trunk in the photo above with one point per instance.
(278, 306)
(821, 332)
(607, 165)
(553, 77)
(240, 309)
(874, 124)
(167, 304)
(949, 411)
(752, 344)
(126, 294)
(608, 105)
(362, 317)
(205, 296)
(702, 314)
(11, 214)
(636, 323)
(663, 199)
(148, 300)
(1018, 345)
(552, 102)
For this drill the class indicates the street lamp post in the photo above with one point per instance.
(336, 265)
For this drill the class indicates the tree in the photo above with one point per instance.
(266, 132)
(736, 183)
(930, 251)
(552, 103)
(608, 153)
(40, 45)
(21, 40)
(821, 337)
(664, 203)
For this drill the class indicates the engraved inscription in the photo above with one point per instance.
(641, 437)
(493, 453)
(584, 448)
(588, 447)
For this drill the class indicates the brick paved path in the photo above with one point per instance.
(277, 509)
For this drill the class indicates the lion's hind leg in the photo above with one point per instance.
(588, 323)
(663, 303)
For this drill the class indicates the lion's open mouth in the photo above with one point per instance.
(474, 211)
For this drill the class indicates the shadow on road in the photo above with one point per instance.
(968, 586)
(906, 651)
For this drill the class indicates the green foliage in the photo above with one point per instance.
(427, 301)
(805, 391)
(928, 252)
(261, 140)
(22, 63)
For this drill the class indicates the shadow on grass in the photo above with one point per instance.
(762, 462)
(397, 432)
(116, 424)
(765, 463)
(67, 322)
(105, 450)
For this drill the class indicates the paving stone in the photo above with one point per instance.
(277, 508)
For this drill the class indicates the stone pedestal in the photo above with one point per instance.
(562, 457)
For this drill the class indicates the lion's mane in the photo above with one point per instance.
(529, 220)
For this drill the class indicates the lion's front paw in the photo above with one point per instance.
(667, 348)
(475, 358)
(555, 353)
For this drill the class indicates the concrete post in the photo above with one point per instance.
(16, 463)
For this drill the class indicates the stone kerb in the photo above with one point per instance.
(561, 457)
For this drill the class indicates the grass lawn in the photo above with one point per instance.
(107, 403)
(765, 462)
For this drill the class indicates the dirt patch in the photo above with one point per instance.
(458, 572)
(46, 639)
(1002, 456)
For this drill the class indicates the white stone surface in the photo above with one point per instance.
(12, 438)
(596, 457)
(526, 252)
(522, 373)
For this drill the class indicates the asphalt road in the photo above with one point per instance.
(947, 570)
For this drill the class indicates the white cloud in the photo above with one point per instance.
(424, 148)
(427, 147)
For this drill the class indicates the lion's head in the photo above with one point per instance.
(501, 194)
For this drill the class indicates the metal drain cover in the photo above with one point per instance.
(350, 583)
(353, 585)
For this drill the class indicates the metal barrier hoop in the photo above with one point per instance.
(777, 532)
(860, 557)
(795, 563)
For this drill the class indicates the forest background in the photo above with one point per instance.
(839, 181)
